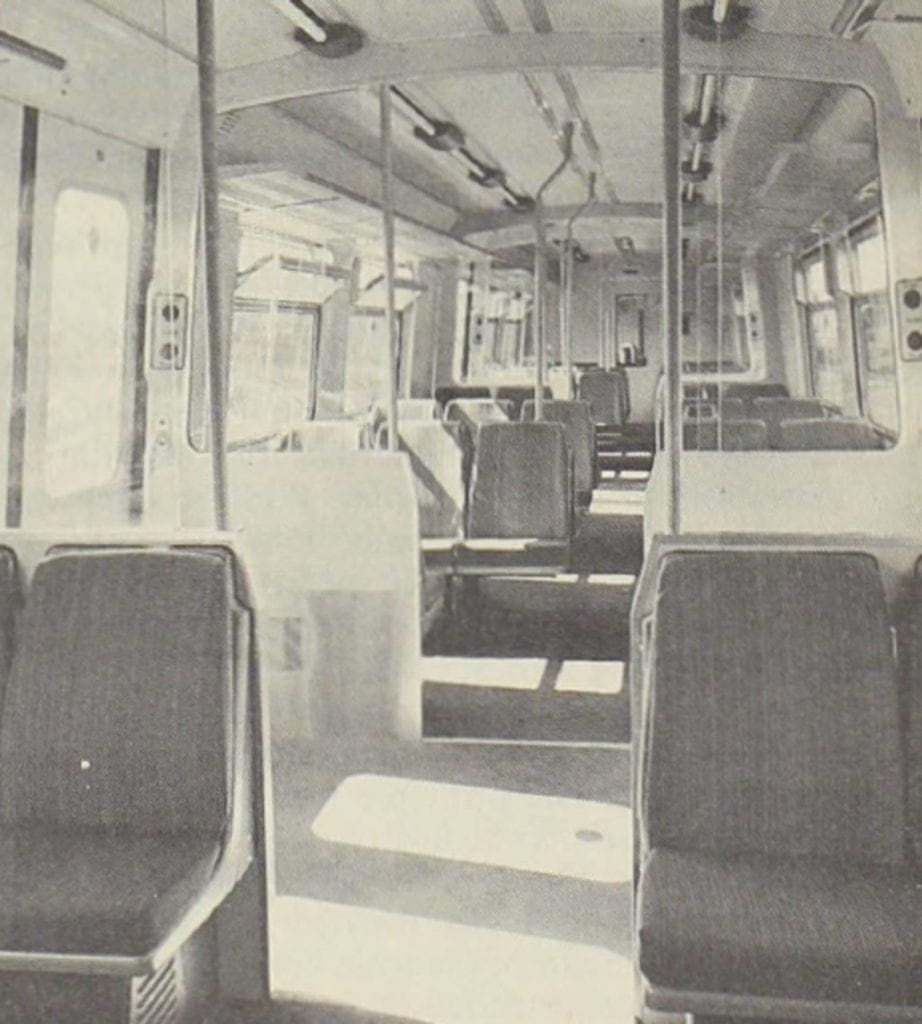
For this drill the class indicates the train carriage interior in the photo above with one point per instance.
(462, 559)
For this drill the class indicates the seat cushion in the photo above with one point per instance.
(96, 891)
(798, 930)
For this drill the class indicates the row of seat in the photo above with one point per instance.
(126, 754)
(777, 423)
(606, 391)
(776, 838)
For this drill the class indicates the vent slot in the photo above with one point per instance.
(155, 998)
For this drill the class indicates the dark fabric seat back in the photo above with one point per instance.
(726, 435)
(446, 393)
(576, 418)
(516, 395)
(827, 434)
(607, 393)
(774, 411)
(520, 485)
(118, 709)
(773, 722)
(748, 393)
(734, 409)
(10, 603)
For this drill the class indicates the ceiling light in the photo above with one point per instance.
(325, 38)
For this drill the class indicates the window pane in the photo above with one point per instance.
(367, 362)
(871, 261)
(89, 282)
(272, 349)
(826, 360)
(815, 279)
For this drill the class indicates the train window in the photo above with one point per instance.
(815, 176)
(493, 339)
(89, 287)
(275, 332)
(367, 363)
(273, 347)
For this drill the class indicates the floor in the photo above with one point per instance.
(483, 874)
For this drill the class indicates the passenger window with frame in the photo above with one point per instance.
(84, 411)
(274, 342)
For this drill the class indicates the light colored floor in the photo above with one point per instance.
(462, 883)
(454, 884)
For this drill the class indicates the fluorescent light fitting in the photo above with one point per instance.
(720, 11)
(303, 17)
(708, 95)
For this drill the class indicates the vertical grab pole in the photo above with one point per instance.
(537, 311)
(387, 215)
(672, 276)
(217, 356)
(540, 244)
(566, 335)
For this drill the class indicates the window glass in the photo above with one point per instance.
(871, 264)
(815, 280)
(874, 349)
(367, 362)
(89, 284)
(271, 369)
(275, 333)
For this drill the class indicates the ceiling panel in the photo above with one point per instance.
(395, 20)
(625, 111)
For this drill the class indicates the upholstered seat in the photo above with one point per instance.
(576, 418)
(816, 930)
(95, 891)
(116, 749)
(775, 856)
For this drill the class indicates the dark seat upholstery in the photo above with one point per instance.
(516, 395)
(576, 418)
(97, 891)
(446, 393)
(521, 482)
(726, 435)
(774, 411)
(520, 501)
(607, 393)
(773, 804)
(10, 601)
(115, 748)
(751, 926)
(734, 409)
(748, 393)
(828, 434)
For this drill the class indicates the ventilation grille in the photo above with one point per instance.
(155, 998)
